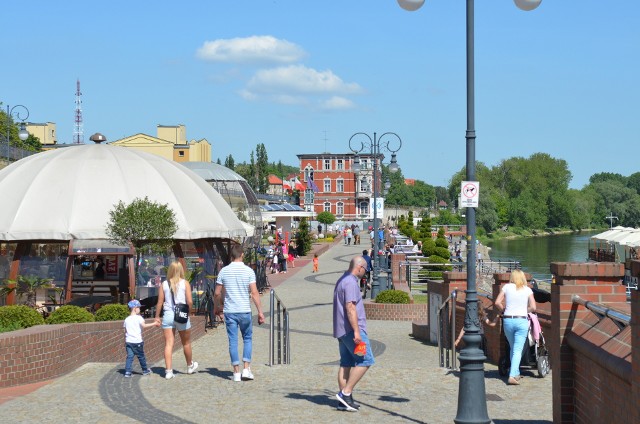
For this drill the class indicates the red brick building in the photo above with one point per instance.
(337, 188)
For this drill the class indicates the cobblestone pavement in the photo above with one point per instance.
(405, 385)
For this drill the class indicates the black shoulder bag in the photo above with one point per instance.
(180, 310)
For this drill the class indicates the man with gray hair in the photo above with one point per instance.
(350, 328)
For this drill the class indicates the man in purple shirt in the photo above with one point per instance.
(350, 328)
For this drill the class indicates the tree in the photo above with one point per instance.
(303, 237)
(262, 171)
(326, 218)
(144, 224)
(229, 162)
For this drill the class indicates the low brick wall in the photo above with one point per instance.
(44, 352)
(395, 312)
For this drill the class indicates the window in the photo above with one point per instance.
(364, 208)
(340, 164)
(364, 186)
(327, 185)
(327, 207)
(181, 153)
(327, 164)
(308, 173)
(340, 185)
(339, 208)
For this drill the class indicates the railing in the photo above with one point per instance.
(14, 153)
(447, 353)
(491, 267)
(279, 342)
(621, 319)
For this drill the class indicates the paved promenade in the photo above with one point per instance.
(405, 385)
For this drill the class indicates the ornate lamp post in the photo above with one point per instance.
(23, 134)
(374, 145)
(472, 402)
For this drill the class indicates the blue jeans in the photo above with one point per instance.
(516, 330)
(242, 321)
(135, 349)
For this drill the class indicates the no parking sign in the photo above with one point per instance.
(469, 192)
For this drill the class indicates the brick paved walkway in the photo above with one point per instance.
(405, 385)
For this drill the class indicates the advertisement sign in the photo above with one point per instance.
(379, 204)
(111, 265)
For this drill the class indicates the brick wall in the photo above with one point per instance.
(587, 359)
(395, 312)
(44, 352)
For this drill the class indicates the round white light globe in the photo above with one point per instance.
(526, 4)
(411, 5)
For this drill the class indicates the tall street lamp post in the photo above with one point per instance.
(472, 402)
(375, 145)
(23, 133)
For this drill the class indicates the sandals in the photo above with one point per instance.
(513, 381)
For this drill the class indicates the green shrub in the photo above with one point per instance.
(435, 259)
(20, 315)
(441, 242)
(443, 252)
(112, 312)
(428, 247)
(11, 327)
(68, 314)
(393, 296)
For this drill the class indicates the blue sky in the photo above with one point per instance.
(303, 76)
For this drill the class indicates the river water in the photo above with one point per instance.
(536, 253)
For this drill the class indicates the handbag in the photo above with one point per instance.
(180, 310)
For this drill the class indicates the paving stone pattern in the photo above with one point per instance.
(405, 385)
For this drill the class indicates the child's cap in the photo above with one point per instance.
(134, 304)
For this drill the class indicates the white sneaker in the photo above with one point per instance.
(236, 376)
(192, 368)
(168, 374)
(246, 374)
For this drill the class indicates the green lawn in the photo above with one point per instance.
(420, 298)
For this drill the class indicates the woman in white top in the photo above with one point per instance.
(516, 300)
(181, 289)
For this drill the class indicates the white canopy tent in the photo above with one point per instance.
(67, 194)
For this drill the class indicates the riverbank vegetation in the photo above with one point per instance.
(518, 196)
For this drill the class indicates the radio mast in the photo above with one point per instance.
(78, 132)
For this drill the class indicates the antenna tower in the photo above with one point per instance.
(78, 132)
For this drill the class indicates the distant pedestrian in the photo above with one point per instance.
(235, 288)
(350, 328)
(356, 235)
(133, 342)
(349, 235)
(319, 228)
(315, 262)
(175, 289)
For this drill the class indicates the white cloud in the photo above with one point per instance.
(337, 103)
(254, 49)
(299, 79)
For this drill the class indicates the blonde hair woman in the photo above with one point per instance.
(175, 289)
(516, 300)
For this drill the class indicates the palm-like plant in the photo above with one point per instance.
(25, 286)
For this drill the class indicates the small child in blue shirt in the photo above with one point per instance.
(133, 326)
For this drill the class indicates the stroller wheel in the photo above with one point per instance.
(543, 365)
(503, 366)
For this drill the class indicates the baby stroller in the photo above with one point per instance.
(534, 353)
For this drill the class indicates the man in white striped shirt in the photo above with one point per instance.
(236, 283)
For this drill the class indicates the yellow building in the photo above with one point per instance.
(45, 132)
(171, 143)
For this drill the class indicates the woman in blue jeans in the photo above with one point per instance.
(516, 300)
